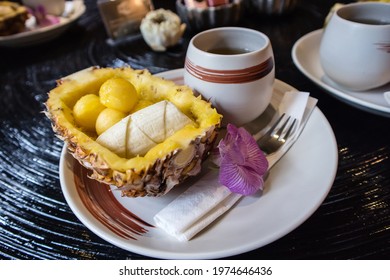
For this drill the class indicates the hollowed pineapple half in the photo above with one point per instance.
(158, 169)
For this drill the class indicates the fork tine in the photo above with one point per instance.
(278, 134)
(270, 132)
(272, 128)
(289, 129)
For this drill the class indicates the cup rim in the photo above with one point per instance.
(234, 28)
(361, 4)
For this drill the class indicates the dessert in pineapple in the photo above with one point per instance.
(133, 130)
(136, 134)
(12, 18)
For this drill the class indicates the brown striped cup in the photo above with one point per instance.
(233, 67)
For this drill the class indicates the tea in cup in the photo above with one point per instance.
(355, 47)
(233, 67)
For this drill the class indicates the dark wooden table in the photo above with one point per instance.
(35, 221)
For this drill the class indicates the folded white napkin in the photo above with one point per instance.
(197, 207)
(207, 199)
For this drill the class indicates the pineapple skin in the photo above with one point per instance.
(165, 165)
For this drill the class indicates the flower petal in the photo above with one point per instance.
(242, 164)
(245, 181)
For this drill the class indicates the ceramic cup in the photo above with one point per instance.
(52, 7)
(232, 67)
(355, 47)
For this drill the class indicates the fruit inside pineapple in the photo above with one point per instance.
(127, 135)
(98, 112)
(107, 118)
(136, 134)
(86, 106)
(118, 94)
(86, 111)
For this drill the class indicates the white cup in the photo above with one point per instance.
(355, 47)
(232, 67)
(52, 7)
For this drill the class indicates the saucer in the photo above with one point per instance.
(305, 54)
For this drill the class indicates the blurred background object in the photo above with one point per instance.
(161, 29)
(201, 17)
(271, 7)
(12, 18)
(51, 7)
(123, 17)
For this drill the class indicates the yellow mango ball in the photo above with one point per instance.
(86, 110)
(107, 118)
(118, 94)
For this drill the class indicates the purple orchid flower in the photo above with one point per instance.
(242, 163)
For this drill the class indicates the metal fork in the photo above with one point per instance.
(277, 135)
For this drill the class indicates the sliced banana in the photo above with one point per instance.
(151, 120)
(174, 119)
(137, 143)
(139, 132)
(114, 138)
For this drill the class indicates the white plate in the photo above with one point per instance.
(295, 188)
(44, 34)
(305, 54)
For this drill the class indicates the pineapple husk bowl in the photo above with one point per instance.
(160, 168)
